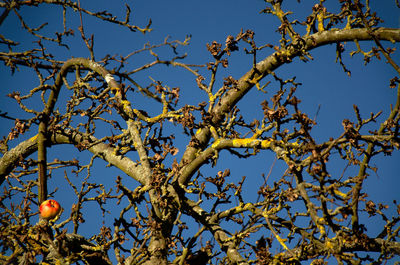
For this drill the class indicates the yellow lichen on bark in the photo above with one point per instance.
(242, 142)
(320, 19)
(266, 144)
(33, 138)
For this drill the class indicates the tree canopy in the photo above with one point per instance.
(160, 153)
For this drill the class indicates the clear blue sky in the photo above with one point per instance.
(324, 83)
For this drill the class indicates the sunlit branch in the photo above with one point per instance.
(269, 64)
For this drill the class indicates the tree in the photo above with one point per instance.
(171, 201)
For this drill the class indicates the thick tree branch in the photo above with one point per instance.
(269, 64)
(26, 148)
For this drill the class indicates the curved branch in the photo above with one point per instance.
(49, 107)
(26, 148)
(269, 64)
(285, 55)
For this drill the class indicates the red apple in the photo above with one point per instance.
(49, 209)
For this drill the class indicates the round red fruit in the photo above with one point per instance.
(49, 209)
